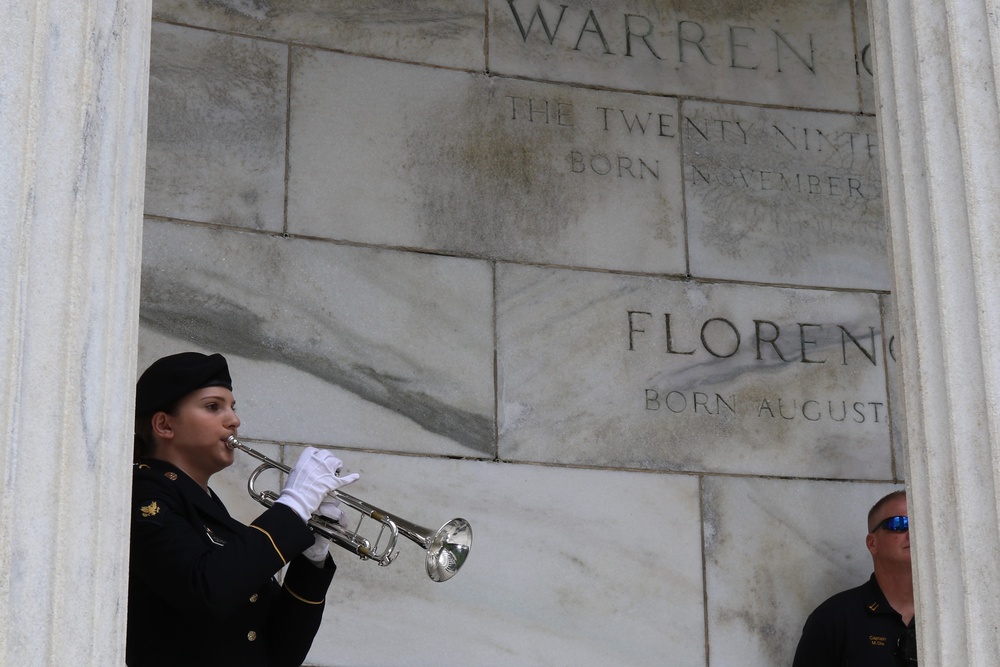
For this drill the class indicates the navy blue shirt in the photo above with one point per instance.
(855, 628)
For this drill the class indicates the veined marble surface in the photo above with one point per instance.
(216, 149)
(484, 166)
(774, 550)
(788, 197)
(567, 567)
(447, 33)
(620, 510)
(744, 380)
(330, 344)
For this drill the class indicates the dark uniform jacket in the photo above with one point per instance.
(201, 584)
(854, 628)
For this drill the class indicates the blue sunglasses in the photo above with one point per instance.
(894, 524)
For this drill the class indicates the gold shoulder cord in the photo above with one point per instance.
(280, 555)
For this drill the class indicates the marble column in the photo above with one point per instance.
(939, 120)
(72, 149)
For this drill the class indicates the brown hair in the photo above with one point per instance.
(143, 442)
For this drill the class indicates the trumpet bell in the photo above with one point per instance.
(448, 550)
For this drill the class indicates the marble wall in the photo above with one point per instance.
(608, 280)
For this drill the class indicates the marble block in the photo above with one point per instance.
(567, 567)
(788, 197)
(774, 550)
(216, 150)
(329, 344)
(467, 164)
(770, 51)
(652, 373)
(448, 33)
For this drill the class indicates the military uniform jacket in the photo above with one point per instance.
(201, 584)
(854, 628)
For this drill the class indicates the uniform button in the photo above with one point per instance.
(251, 636)
(253, 598)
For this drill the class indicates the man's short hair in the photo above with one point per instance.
(882, 501)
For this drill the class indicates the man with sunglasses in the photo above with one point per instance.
(871, 625)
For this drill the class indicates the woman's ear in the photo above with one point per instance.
(162, 426)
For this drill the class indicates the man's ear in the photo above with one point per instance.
(163, 428)
(870, 543)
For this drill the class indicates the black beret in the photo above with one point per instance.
(171, 378)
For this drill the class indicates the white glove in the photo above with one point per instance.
(312, 478)
(317, 552)
(330, 508)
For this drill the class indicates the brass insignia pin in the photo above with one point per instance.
(172, 476)
(152, 509)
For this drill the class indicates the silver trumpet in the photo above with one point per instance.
(447, 548)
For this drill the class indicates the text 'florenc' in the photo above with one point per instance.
(719, 337)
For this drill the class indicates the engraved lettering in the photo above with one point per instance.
(809, 139)
(633, 120)
(683, 32)
(732, 327)
(739, 47)
(772, 341)
(699, 402)
(620, 166)
(811, 410)
(721, 129)
(866, 59)
(591, 18)
(629, 33)
(679, 402)
(670, 338)
(845, 334)
(530, 110)
(551, 34)
(652, 400)
(781, 39)
(763, 181)
(720, 337)
(632, 329)
(735, 46)
(804, 342)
